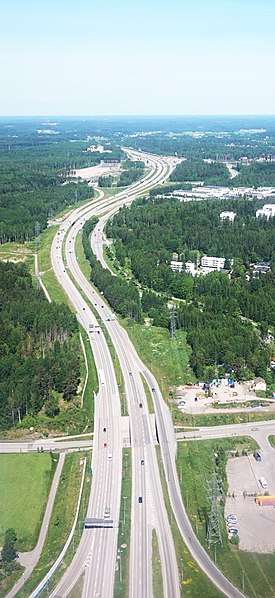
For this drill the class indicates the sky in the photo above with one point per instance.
(137, 57)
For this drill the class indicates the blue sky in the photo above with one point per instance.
(88, 57)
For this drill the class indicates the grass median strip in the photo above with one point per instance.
(121, 589)
(193, 582)
(156, 567)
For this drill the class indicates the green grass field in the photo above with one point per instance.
(167, 358)
(61, 522)
(193, 582)
(24, 487)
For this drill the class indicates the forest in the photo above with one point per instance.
(133, 171)
(123, 296)
(35, 182)
(212, 173)
(39, 357)
(216, 311)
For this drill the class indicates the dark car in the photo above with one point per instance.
(104, 429)
(140, 499)
(140, 404)
(257, 456)
(142, 461)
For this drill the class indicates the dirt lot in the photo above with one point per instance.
(256, 524)
(97, 171)
(222, 395)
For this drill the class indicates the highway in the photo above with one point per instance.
(148, 508)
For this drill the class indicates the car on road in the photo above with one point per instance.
(263, 482)
(104, 429)
(140, 499)
(107, 511)
(142, 461)
(105, 444)
(231, 519)
(257, 456)
(110, 456)
(140, 404)
(233, 531)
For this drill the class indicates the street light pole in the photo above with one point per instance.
(124, 499)
(126, 463)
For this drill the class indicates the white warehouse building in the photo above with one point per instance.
(228, 216)
(267, 211)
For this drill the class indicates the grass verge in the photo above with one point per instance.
(61, 522)
(166, 357)
(195, 463)
(25, 481)
(193, 582)
(156, 567)
(121, 589)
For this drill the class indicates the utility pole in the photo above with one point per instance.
(124, 499)
(173, 315)
(36, 234)
(213, 531)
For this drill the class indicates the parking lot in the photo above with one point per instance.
(256, 525)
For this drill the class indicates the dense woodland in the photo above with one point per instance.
(215, 311)
(133, 171)
(121, 295)
(39, 360)
(35, 183)
(213, 173)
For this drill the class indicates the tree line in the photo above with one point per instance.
(122, 295)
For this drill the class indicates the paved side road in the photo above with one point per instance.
(31, 559)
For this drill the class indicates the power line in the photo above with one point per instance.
(214, 490)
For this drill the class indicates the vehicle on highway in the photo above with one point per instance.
(110, 456)
(231, 521)
(257, 456)
(233, 531)
(142, 461)
(105, 444)
(104, 429)
(140, 499)
(107, 511)
(140, 404)
(263, 482)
